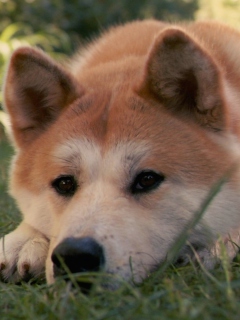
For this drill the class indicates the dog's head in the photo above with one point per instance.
(111, 164)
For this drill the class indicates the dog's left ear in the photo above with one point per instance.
(185, 79)
(36, 91)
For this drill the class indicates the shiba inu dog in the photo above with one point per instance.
(117, 150)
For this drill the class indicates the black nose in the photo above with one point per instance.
(78, 255)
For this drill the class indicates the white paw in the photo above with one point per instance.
(23, 254)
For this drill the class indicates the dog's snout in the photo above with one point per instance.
(77, 255)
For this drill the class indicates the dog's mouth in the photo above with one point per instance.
(79, 260)
(196, 253)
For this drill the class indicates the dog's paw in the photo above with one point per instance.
(23, 254)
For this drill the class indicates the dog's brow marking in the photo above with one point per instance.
(87, 154)
(78, 153)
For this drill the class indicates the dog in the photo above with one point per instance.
(116, 151)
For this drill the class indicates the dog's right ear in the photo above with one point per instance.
(36, 90)
(186, 80)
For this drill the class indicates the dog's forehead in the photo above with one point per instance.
(85, 153)
(108, 121)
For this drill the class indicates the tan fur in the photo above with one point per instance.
(145, 96)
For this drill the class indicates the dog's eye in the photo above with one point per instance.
(146, 181)
(65, 185)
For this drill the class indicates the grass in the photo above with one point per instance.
(178, 293)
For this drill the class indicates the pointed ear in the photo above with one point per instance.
(185, 79)
(36, 90)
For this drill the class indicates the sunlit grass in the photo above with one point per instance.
(226, 11)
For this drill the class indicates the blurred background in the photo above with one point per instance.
(61, 26)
